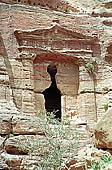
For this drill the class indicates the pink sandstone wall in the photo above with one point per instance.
(22, 73)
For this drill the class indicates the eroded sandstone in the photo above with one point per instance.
(103, 135)
(27, 125)
(31, 38)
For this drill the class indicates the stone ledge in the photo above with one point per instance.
(27, 125)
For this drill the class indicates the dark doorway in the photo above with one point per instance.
(52, 94)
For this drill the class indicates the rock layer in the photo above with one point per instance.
(31, 37)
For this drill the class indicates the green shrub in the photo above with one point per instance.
(61, 144)
(95, 166)
(104, 164)
(90, 67)
(106, 107)
(10, 135)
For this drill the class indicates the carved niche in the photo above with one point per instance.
(58, 45)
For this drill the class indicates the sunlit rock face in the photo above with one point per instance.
(60, 5)
(34, 36)
(68, 41)
(37, 37)
(103, 135)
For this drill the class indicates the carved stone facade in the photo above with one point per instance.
(34, 39)
(78, 45)
(66, 49)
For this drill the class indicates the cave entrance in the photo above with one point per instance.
(52, 95)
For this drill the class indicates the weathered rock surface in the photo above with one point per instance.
(2, 140)
(27, 144)
(27, 125)
(7, 104)
(30, 38)
(3, 165)
(82, 161)
(103, 131)
(74, 38)
(86, 157)
(60, 5)
(24, 142)
(5, 124)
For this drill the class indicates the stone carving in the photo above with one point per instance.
(58, 45)
(55, 38)
(69, 44)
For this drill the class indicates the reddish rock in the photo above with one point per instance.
(103, 135)
(5, 124)
(2, 140)
(27, 125)
(60, 5)
(107, 23)
(33, 37)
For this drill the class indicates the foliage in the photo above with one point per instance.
(90, 67)
(104, 164)
(10, 135)
(61, 143)
(95, 166)
(106, 107)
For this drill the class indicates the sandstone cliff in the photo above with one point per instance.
(76, 36)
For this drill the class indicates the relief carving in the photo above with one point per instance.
(54, 38)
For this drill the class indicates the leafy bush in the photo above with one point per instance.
(106, 107)
(104, 164)
(10, 135)
(61, 144)
(90, 67)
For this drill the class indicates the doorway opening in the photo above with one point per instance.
(52, 94)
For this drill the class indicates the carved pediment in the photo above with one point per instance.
(54, 38)
(54, 32)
